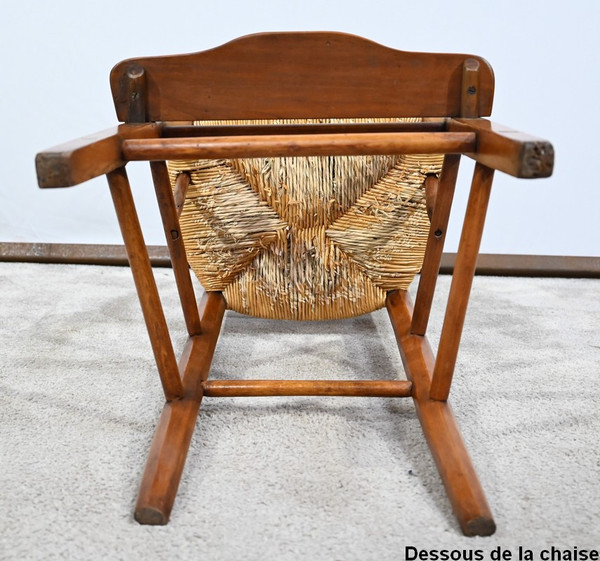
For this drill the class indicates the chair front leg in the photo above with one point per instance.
(462, 280)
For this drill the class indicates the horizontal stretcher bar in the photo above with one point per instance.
(347, 144)
(348, 388)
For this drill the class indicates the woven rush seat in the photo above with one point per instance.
(306, 238)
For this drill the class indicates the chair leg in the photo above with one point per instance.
(145, 284)
(435, 243)
(181, 268)
(176, 424)
(439, 426)
(462, 280)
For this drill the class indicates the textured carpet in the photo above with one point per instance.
(291, 478)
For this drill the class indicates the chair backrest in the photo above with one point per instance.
(304, 238)
(300, 75)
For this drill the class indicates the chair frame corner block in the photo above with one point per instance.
(302, 75)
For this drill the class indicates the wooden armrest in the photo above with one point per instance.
(74, 162)
(89, 156)
(507, 150)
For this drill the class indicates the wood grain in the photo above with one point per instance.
(87, 157)
(348, 388)
(182, 184)
(469, 105)
(504, 149)
(301, 75)
(176, 424)
(435, 243)
(179, 262)
(439, 426)
(145, 284)
(298, 145)
(462, 280)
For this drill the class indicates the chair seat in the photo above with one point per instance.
(306, 238)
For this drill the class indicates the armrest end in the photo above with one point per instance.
(87, 157)
(536, 159)
(508, 150)
(53, 170)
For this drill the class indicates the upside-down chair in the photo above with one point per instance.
(303, 176)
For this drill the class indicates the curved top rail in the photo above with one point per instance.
(298, 75)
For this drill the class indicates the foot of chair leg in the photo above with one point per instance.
(480, 527)
(455, 467)
(165, 463)
(151, 517)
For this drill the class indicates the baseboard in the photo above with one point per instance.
(495, 264)
(82, 254)
(488, 263)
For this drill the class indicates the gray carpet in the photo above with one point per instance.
(291, 478)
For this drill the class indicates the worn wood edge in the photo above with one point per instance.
(489, 264)
(84, 158)
(511, 151)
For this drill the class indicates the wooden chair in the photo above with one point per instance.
(283, 95)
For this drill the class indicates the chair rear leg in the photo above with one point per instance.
(165, 462)
(176, 424)
(439, 426)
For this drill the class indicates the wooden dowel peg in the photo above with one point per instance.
(469, 105)
(137, 94)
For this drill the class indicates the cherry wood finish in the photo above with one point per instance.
(298, 75)
(493, 145)
(290, 76)
(470, 91)
(348, 388)
(180, 131)
(181, 268)
(431, 188)
(182, 184)
(435, 243)
(505, 149)
(176, 424)
(462, 279)
(299, 145)
(145, 283)
(87, 157)
(441, 431)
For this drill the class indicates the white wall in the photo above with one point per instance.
(56, 57)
